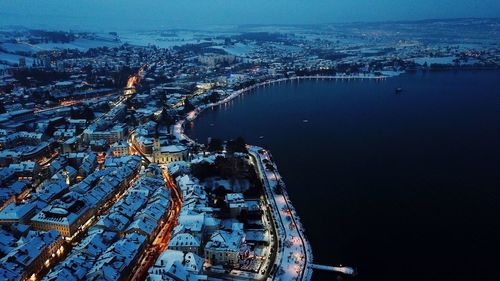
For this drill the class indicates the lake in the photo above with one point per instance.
(401, 186)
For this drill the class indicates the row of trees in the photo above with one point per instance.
(231, 167)
(232, 146)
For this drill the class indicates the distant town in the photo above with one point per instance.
(98, 180)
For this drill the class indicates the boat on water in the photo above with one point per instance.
(399, 90)
(305, 121)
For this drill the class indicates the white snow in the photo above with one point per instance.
(295, 253)
(238, 49)
(79, 44)
(431, 60)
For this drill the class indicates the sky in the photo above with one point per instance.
(163, 14)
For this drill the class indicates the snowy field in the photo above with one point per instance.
(169, 39)
(437, 60)
(238, 49)
(79, 44)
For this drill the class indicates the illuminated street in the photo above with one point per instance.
(136, 140)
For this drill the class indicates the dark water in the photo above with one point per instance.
(404, 187)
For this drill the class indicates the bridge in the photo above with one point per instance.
(341, 269)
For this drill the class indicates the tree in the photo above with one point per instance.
(121, 77)
(203, 170)
(231, 167)
(278, 188)
(166, 118)
(270, 167)
(188, 106)
(87, 114)
(49, 131)
(73, 113)
(237, 145)
(243, 217)
(219, 194)
(132, 120)
(256, 188)
(214, 97)
(215, 145)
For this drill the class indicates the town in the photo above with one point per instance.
(98, 180)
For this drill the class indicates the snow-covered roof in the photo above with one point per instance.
(184, 239)
(225, 240)
(29, 248)
(175, 265)
(117, 258)
(193, 222)
(173, 149)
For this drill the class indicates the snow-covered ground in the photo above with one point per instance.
(79, 44)
(168, 39)
(294, 253)
(238, 49)
(436, 60)
(233, 186)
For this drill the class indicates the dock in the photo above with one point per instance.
(341, 269)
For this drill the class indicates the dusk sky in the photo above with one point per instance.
(157, 14)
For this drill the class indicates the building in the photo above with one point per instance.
(120, 148)
(146, 144)
(176, 265)
(70, 213)
(18, 213)
(226, 247)
(83, 256)
(18, 138)
(236, 203)
(142, 209)
(65, 215)
(119, 259)
(70, 145)
(170, 153)
(26, 169)
(184, 242)
(31, 255)
(12, 192)
(214, 59)
(110, 135)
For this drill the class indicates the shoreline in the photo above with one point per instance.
(179, 133)
(178, 128)
(292, 242)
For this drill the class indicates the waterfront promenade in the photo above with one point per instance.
(294, 253)
(294, 259)
(178, 128)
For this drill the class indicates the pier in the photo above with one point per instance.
(341, 269)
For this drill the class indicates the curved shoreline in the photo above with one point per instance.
(178, 128)
(179, 133)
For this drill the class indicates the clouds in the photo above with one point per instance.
(153, 14)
